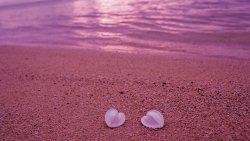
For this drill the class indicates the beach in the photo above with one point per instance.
(65, 63)
(63, 94)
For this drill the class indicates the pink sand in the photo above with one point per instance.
(63, 94)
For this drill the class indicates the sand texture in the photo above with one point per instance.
(63, 94)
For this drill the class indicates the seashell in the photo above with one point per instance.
(113, 118)
(153, 119)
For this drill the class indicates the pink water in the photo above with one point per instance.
(218, 28)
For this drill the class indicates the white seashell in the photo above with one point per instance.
(153, 119)
(113, 118)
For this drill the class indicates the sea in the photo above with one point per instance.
(215, 28)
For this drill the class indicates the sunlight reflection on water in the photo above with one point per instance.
(128, 25)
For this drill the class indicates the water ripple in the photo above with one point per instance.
(130, 24)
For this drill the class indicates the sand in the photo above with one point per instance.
(63, 94)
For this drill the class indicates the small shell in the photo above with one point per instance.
(113, 118)
(153, 119)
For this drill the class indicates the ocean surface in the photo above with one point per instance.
(219, 28)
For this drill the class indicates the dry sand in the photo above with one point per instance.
(63, 94)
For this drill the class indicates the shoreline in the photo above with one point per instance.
(196, 54)
(63, 94)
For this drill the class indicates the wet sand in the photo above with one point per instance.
(63, 94)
